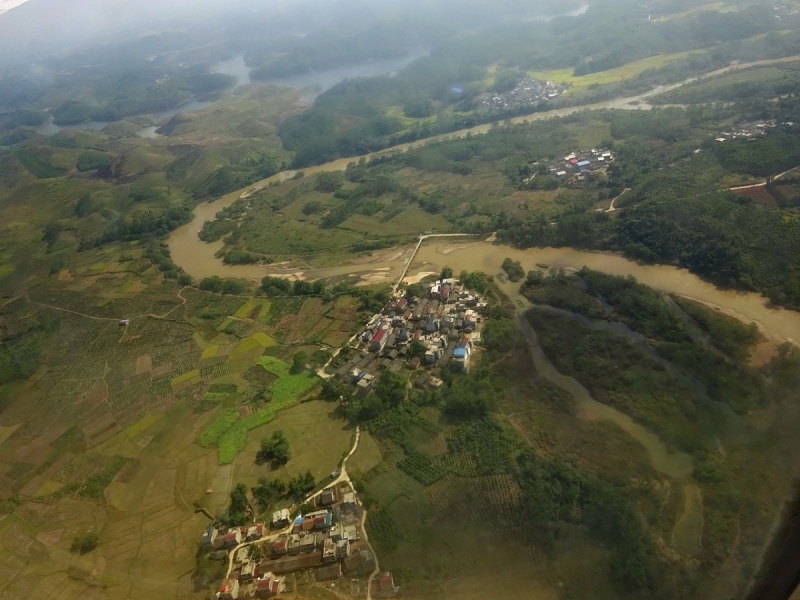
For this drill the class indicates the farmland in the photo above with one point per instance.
(122, 438)
(627, 71)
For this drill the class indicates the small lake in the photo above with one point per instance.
(315, 81)
(322, 81)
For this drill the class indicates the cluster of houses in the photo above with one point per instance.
(578, 165)
(327, 539)
(749, 130)
(445, 323)
(527, 92)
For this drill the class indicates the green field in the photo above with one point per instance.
(627, 71)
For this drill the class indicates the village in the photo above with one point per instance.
(526, 93)
(325, 536)
(328, 539)
(749, 130)
(440, 330)
(575, 167)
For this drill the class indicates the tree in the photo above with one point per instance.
(274, 448)
(447, 273)
(239, 506)
(85, 543)
(276, 286)
(267, 492)
(299, 361)
(301, 485)
(416, 349)
(391, 389)
(332, 390)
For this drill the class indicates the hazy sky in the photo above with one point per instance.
(6, 5)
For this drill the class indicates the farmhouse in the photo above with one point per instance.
(328, 496)
(255, 532)
(383, 586)
(229, 590)
(248, 571)
(269, 586)
(378, 340)
(208, 538)
(280, 518)
(232, 538)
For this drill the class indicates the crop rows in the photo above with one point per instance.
(382, 529)
(121, 399)
(194, 395)
(215, 372)
(289, 388)
(214, 430)
(420, 467)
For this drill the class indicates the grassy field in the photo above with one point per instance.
(317, 441)
(627, 71)
(721, 7)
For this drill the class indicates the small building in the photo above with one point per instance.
(350, 533)
(349, 500)
(328, 496)
(363, 386)
(431, 325)
(584, 163)
(433, 354)
(232, 539)
(229, 590)
(342, 549)
(269, 586)
(208, 538)
(255, 532)
(303, 542)
(279, 546)
(323, 522)
(329, 551)
(280, 518)
(414, 362)
(242, 554)
(330, 572)
(248, 571)
(383, 586)
(378, 340)
(336, 532)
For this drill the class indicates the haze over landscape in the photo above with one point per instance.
(426, 299)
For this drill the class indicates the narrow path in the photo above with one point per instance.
(613, 208)
(761, 183)
(74, 312)
(422, 238)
